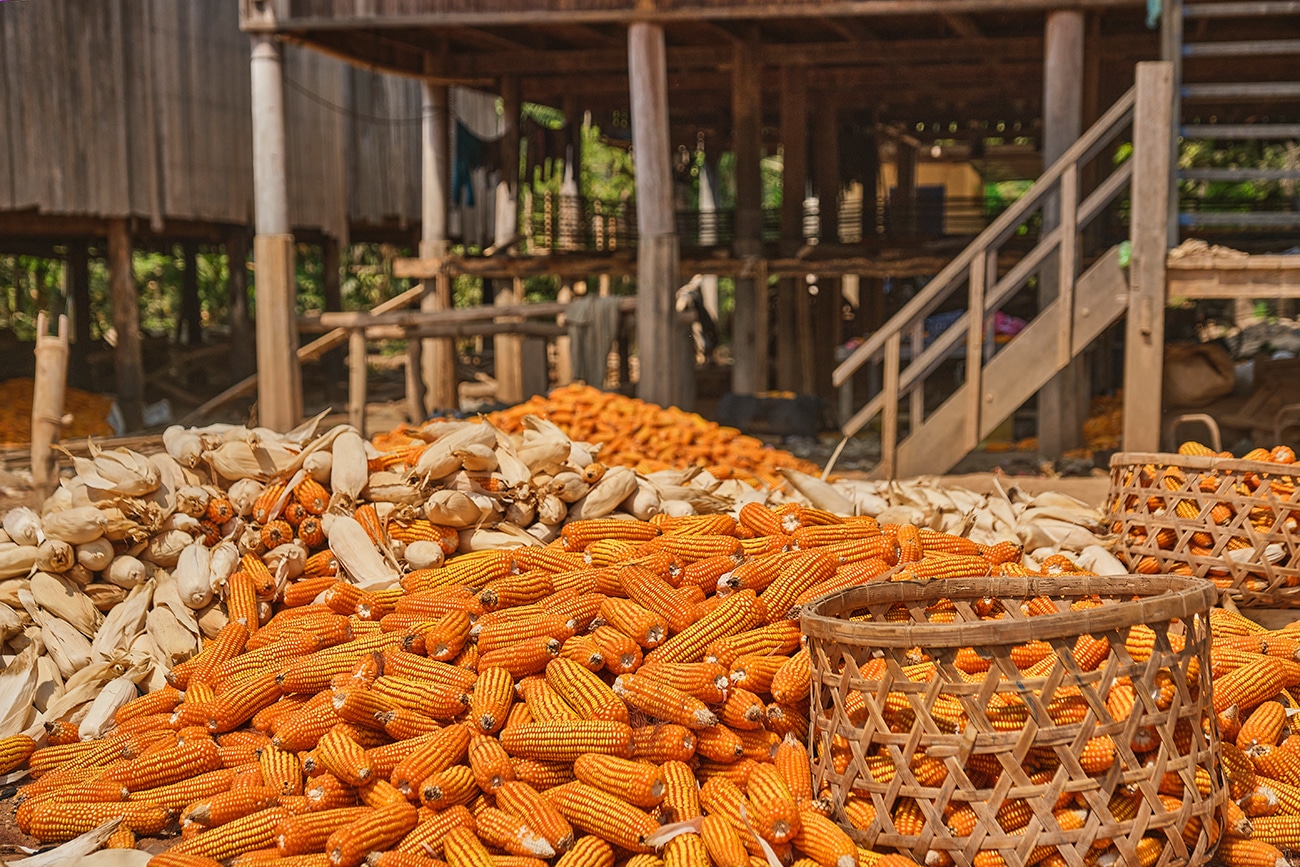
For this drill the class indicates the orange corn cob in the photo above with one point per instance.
(228, 806)
(738, 612)
(663, 702)
(442, 750)
(308, 832)
(490, 763)
(588, 851)
(596, 812)
(663, 743)
(375, 831)
(490, 703)
(442, 789)
(773, 811)
(622, 654)
(637, 783)
(506, 831)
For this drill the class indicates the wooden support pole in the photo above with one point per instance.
(905, 203)
(826, 168)
(47, 403)
(709, 229)
(1063, 402)
(127, 362)
(749, 322)
(242, 361)
(1153, 124)
(190, 325)
(334, 362)
(507, 350)
(794, 358)
(357, 379)
(279, 398)
(658, 337)
(437, 357)
(563, 349)
(78, 289)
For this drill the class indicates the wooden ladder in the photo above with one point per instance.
(998, 379)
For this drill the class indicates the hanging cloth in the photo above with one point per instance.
(593, 326)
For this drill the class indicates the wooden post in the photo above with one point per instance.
(506, 347)
(47, 403)
(749, 356)
(563, 350)
(127, 362)
(709, 229)
(825, 164)
(279, 398)
(357, 379)
(242, 361)
(658, 336)
(333, 362)
(437, 356)
(794, 356)
(1063, 402)
(1153, 124)
(190, 323)
(78, 289)
(905, 204)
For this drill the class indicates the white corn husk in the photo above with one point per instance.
(357, 556)
(76, 526)
(49, 683)
(544, 533)
(821, 494)
(477, 457)
(119, 527)
(164, 549)
(69, 649)
(78, 573)
(386, 487)
(105, 596)
(193, 500)
(614, 487)
(678, 508)
(97, 555)
(165, 594)
(173, 641)
(643, 503)
(212, 620)
(171, 478)
(440, 460)
(55, 555)
(453, 509)
(249, 540)
(240, 459)
(423, 555)
(10, 590)
(125, 571)
(286, 561)
(18, 560)
(99, 719)
(582, 454)
(568, 486)
(318, 465)
(17, 689)
(223, 563)
(5, 540)
(521, 512)
(243, 494)
(184, 446)
(551, 509)
(502, 536)
(119, 470)
(180, 521)
(1098, 560)
(349, 470)
(23, 526)
(63, 599)
(544, 452)
(193, 575)
(11, 623)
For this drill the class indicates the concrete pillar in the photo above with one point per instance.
(279, 381)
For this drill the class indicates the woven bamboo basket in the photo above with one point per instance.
(1230, 521)
(876, 734)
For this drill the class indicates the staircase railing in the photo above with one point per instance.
(1056, 194)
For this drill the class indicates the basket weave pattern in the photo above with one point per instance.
(1166, 757)
(1230, 521)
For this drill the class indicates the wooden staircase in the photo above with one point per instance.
(998, 379)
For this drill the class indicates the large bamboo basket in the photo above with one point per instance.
(855, 718)
(1238, 524)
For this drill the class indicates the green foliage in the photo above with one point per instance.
(1208, 153)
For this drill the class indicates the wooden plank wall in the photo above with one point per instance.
(114, 108)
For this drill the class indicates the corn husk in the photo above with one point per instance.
(69, 649)
(193, 500)
(78, 573)
(423, 555)
(63, 599)
(173, 642)
(243, 494)
(193, 575)
(119, 471)
(357, 557)
(318, 465)
(121, 527)
(212, 620)
(222, 564)
(17, 689)
(545, 533)
(643, 503)
(349, 470)
(184, 446)
(384, 487)
(97, 555)
(164, 549)
(568, 486)
(477, 457)
(49, 683)
(821, 494)
(166, 595)
(99, 719)
(286, 561)
(453, 509)
(239, 459)
(125, 571)
(614, 487)
(16, 560)
(23, 526)
(11, 622)
(440, 458)
(503, 536)
(55, 555)
(10, 589)
(76, 526)
(551, 509)
(105, 596)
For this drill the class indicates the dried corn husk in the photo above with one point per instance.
(55, 555)
(166, 595)
(551, 509)
(49, 683)
(643, 503)
(69, 649)
(453, 509)
(78, 573)
(349, 470)
(476, 458)
(569, 487)
(423, 555)
(76, 526)
(193, 500)
(23, 526)
(384, 487)
(318, 465)
(243, 494)
(503, 536)
(97, 555)
(10, 589)
(173, 641)
(105, 596)
(239, 459)
(120, 471)
(164, 549)
(614, 487)
(17, 689)
(63, 599)
(286, 561)
(212, 620)
(193, 575)
(222, 564)
(125, 571)
(184, 446)
(357, 556)
(11, 622)
(99, 719)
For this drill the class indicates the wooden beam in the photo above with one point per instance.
(190, 322)
(793, 355)
(1153, 124)
(749, 321)
(78, 289)
(335, 361)
(242, 349)
(437, 358)
(850, 29)
(964, 27)
(127, 363)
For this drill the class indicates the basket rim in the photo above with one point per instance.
(1201, 462)
(1170, 597)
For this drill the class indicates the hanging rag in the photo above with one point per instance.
(593, 325)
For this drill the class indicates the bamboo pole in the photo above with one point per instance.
(47, 403)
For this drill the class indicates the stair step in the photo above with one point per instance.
(1271, 219)
(1242, 131)
(1247, 48)
(1243, 90)
(1241, 10)
(1239, 174)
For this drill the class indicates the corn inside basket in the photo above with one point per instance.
(1231, 521)
(1004, 722)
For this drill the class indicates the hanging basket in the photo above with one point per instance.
(1233, 522)
(1087, 727)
